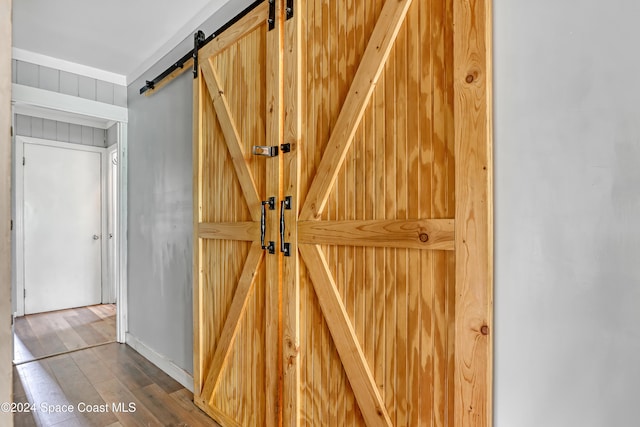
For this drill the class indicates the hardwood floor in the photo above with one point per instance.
(111, 377)
(45, 334)
(69, 359)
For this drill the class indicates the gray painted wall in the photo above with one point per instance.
(567, 217)
(160, 207)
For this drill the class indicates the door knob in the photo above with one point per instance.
(96, 237)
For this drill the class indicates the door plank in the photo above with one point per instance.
(232, 323)
(373, 62)
(273, 264)
(344, 337)
(245, 231)
(232, 138)
(380, 233)
(197, 271)
(474, 214)
(292, 100)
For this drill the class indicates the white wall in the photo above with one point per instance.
(567, 217)
(6, 341)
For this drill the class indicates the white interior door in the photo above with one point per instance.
(62, 227)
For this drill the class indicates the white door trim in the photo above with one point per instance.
(122, 325)
(19, 204)
(109, 294)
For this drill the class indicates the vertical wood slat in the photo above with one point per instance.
(356, 366)
(292, 133)
(474, 213)
(198, 314)
(274, 175)
(364, 82)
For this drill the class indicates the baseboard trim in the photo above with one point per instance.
(162, 362)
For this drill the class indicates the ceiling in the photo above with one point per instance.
(120, 36)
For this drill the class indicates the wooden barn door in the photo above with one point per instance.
(236, 301)
(378, 312)
(386, 294)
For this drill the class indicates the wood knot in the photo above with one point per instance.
(484, 330)
(470, 78)
(424, 237)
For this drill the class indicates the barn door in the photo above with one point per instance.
(386, 294)
(237, 107)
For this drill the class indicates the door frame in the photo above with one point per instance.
(41, 103)
(19, 205)
(110, 288)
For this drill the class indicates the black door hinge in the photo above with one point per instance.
(289, 9)
(23, 161)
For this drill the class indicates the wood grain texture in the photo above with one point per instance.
(235, 295)
(400, 168)
(197, 151)
(392, 175)
(369, 70)
(415, 234)
(245, 25)
(274, 111)
(351, 355)
(474, 213)
(247, 231)
(232, 137)
(293, 100)
(232, 321)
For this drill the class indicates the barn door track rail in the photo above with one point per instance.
(199, 42)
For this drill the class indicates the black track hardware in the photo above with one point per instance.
(150, 84)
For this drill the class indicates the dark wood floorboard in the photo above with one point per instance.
(110, 374)
(44, 334)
